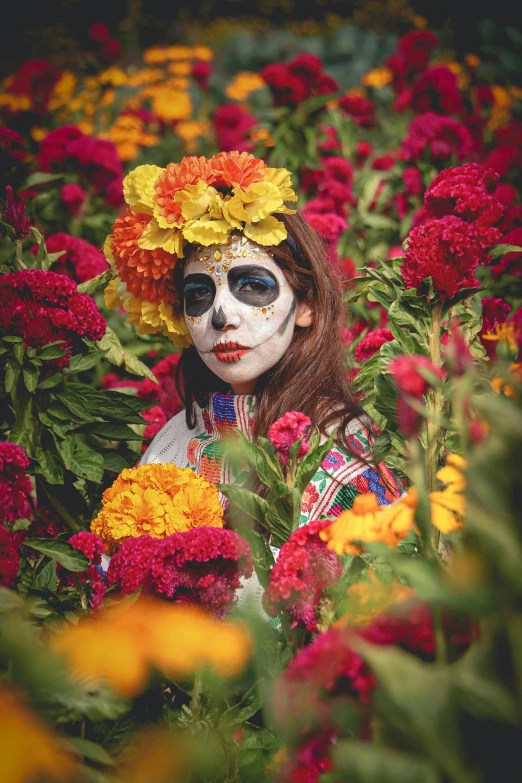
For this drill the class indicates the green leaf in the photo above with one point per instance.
(87, 463)
(114, 462)
(246, 501)
(91, 286)
(51, 352)
(19, 350)
(50, 382)
(116, 354)
(262, 556)
(310, 463)
(12, 373)
(257, 459)
(41, 178)
(90, 750)
(497, 251)
(10, 601)
(61, 551)
(65, 449)
(362, 762)
(74, 403)
(12, 338)
(31, 375)
(45, 575)
(109, 431)
(49, 464)
(82, 362)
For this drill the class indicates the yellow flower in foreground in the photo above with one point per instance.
(367, 600)
(156, 500)
(155, 755)
(448, 507)
(377, 78)
(29, 749)
(366, 521)
(243, 84)
(123, 644)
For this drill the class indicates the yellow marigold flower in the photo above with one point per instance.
(15, 102)
(28, 747)
(86, 127)
(154, 755)
(114, 76)
(156, 500)
(516, 93)
(501, 112)
(171, 104)
(360, 523)
(501, 385)
(155, 54)
(138, 188)
(38, 133)
(108, 97)
(448, 507)
(377, 78)
(145, 76)
(170, 239)
(419, 21)
(243, 84)
(472, 61)
(182, 68)
(63, 90)
(202, 53)
(505, 332)
(178, 52)
(367, 600)
(190, 130)
(123, 644)
(262, 135)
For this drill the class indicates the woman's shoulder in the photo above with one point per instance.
(170, 444)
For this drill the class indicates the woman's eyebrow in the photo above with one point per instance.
(197, 279)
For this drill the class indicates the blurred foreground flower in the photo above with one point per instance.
(367, 600)
(124, 644)
(413, 376)
(288, 430)
(29, 749)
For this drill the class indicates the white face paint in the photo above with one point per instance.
(239, 308)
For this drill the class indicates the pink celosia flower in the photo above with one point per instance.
(201, 72)
(434, 137)
(360, 109)
(73, 196)
(15, 215)
(15, 485)
(305, 567)
(9, 557)
(409, 381)
(232, 126)
(81, 260)
(92, 578)
(131, 565)
(288, 430)
(156, 419)
(370, 344)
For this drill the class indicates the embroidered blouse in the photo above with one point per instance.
(332, 490)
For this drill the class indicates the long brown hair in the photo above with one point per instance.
(311, 376)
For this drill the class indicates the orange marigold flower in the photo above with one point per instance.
(156, 500)
(237, 169)
(177, 176)
(147, 273)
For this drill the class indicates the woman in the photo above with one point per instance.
(261, 309)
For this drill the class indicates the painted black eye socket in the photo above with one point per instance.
(253, 285)
(199, 292)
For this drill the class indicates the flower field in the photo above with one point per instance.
(383, 644)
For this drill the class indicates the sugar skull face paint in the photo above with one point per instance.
(239, 308)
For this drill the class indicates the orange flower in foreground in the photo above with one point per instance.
(28, 748)
(122, 645)
(148, 274)
(238, 169)
(175, 178)
(156, 500)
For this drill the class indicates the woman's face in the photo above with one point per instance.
(240, 310)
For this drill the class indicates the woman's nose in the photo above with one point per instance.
(222, 319)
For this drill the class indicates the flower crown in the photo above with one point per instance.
(197, 200)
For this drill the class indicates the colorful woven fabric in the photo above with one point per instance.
(332, 490)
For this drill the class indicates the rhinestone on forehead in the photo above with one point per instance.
(218, 258)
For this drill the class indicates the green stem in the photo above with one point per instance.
(195, 700)
(434, 408)
(18, 255)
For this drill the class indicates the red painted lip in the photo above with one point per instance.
(229, 351)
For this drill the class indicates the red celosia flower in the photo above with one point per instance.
(156, 419)
(435, 90)
(305, 567)
(293, 82)
(200, 566)
(448, 251)
(232, 126)
(433, 137)
(96, 160)
(383, 163)
(307, 66)
(405, 372)
(288, 430)
(9, 557)
(46, 523)
(359, 108)
(98, 32)
(36, 79)
(165, 391)
(43, 307)
(201, 72)
(370, 344)
(12, 143)
(15, 215)
(413, 184)
(329, 226)
(416, 47)
(81, 260)
(92, 546)
(15, 486)
(363, 149)
(309, 761)
(73, 196)
(494, 311)
(330, 142)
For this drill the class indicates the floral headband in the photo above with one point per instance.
(196, 201)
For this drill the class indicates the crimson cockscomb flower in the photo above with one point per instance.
(288, 430)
